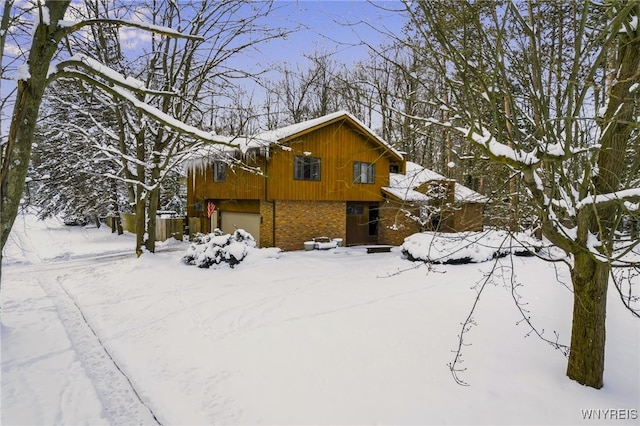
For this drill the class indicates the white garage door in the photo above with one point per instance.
(250, 222)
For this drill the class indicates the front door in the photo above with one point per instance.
(362, 223)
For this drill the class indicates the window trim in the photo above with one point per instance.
(301, 163)
(219, 171)
(366, 177)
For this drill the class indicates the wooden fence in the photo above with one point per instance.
(165, 228)
(196, 225)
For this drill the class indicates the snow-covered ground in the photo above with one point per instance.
(93, 335)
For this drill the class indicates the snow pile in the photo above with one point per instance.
(335, 337)
(467, 247)
(215, 249)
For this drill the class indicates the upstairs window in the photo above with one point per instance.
(364, 172)
(219, 171)
(306, 168)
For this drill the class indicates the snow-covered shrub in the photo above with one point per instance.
(212, 250)
(467, 247)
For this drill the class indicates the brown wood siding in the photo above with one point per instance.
(240, 184)
(238, 206)
(469, 217)
(337, 145)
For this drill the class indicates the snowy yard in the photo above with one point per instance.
(92, 335)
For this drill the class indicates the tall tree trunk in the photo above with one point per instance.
(589, 276)
(586, 359)
(141, 192)
(141, 213)
(122, 146)
(514, 196)
(17, 152)
(154, 199)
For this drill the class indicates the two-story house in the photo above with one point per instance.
(324, 177)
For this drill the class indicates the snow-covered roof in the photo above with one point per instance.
(273, 136)
(270, 137)
(403, 186)
(199, 154)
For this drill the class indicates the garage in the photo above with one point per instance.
(250, 222)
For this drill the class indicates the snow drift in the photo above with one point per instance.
(468, 247)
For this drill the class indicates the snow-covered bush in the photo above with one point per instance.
(211, 250)
(467, 247)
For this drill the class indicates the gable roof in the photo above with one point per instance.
(402, 186)
(284, 134)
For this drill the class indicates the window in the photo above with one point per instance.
(306, 168)
(219, 171)
(355, 209)
(364, 172)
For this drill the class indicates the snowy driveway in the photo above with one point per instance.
(61, 348)
(54, 367)
(336, 337)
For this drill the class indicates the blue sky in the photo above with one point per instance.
(335, 26)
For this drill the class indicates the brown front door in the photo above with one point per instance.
(362, 224)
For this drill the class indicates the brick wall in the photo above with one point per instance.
(300, 221)
(395, 226)
(266, 224)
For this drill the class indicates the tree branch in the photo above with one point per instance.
(67, 27)
(155, 113)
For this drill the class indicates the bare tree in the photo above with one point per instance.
(33, 71)
(538, 109)
(306, 92)
(170, 79)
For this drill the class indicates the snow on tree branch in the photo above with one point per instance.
(618, 196)
(124, 88)
(70, 26)
(108, 74)
(499, 150)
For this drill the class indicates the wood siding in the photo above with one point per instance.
(469, 217)
(240, 184)
(337, 145)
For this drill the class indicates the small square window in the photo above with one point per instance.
(219, 171)
(355, 209)
(364, 172)
(306, 168)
